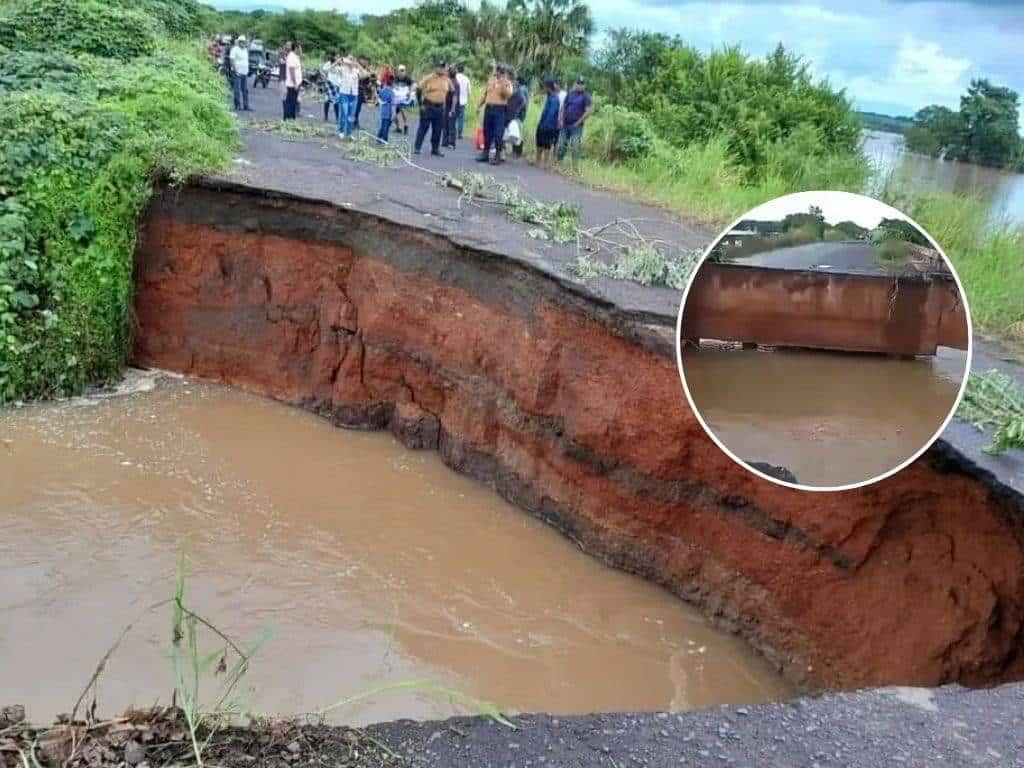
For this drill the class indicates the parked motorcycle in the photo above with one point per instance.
(263, 75)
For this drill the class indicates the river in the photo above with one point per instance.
(1003, 190)
(371, 564)
(830, 418)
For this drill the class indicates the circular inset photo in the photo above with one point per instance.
(824, 340)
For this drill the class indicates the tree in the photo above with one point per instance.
(984, 131)
(551, 31)
(535, 37)
(989, 116)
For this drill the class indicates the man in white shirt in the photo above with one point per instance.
(292, 81)
(464, 87)
(239, 59)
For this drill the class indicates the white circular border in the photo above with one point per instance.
(815, 488)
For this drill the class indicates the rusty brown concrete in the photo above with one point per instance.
(906, 315)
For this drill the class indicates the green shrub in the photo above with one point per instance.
(78, 147)
(36, 70)
(776, 119)
(615, 134)
(78, 26)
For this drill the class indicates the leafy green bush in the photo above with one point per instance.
(78, 26)
(776, 119)
(35, 70)
(615, 134)
(80, 139)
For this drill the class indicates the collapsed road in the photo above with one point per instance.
(368, 296)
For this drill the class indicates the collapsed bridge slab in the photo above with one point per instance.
(571, 407)
(900, 315)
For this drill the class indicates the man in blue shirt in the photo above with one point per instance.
(577, 108)
(386, 97)
(547, 126)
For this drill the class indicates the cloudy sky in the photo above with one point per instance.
(892, 56)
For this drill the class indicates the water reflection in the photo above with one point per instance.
(1003, 190)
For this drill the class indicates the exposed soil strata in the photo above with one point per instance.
(573, 411)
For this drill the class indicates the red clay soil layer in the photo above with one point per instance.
(575, 413)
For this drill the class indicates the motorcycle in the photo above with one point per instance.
(263, 74)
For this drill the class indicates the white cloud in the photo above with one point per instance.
(920, 71)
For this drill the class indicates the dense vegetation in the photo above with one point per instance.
(98, 96)
(984, 130)
(95, 96)
(876, 121)
(536, 36)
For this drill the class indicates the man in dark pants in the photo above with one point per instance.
(292, 82)
(433, 90)
(495, 103)
(451, 107)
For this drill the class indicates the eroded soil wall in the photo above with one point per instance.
(905, 316)
(575, 413)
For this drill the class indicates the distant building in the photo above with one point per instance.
(750, 228)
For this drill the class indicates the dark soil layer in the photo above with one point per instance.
(910, 726)
(571, 407)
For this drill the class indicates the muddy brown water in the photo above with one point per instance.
(830, 418)
(371, 564)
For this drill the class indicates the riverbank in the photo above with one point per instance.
(907, 726)
(451, 326)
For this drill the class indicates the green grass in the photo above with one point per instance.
(994, 399)
(988, 256)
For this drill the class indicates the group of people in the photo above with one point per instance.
(559, 129)
(233, 58)
(349, 82)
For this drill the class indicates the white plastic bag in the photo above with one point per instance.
(513, 132)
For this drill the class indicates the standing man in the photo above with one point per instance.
(240, 74)
(547, 126)
(403, 86)
(434, 90)
(367, 86)
(292, 81)
(330, 84)
(577, 108)
(348, 70)
(282, 56)
(464, 87)
(495, 103)
(513, 122)
(451, 109)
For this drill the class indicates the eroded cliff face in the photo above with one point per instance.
(575, 414)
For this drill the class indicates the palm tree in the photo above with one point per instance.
(554, 30)
(534, 36)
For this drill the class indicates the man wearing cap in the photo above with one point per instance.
(576, 108)
(348, 71)
(239, 58)
(403, 87)
(495, 103)
(434, 90)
